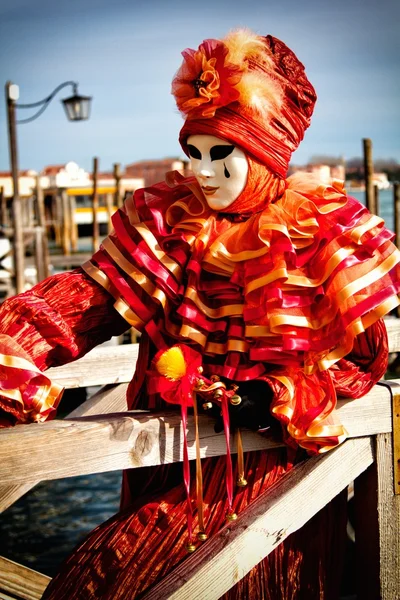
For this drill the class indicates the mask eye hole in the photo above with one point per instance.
(194, 152)
(220, 152)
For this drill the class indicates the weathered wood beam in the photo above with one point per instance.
(393, 330)
(20, 581)
(103, 365)
(230, 554)
(107, 400)
(377, 526)
(108, 442)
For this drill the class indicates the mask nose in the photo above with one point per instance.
(205, 168)
(206, 173)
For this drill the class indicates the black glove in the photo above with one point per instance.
(253, 411)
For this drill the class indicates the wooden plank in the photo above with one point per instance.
(388, 519)
(101, 366)
(107, 400)
(229, 555)
(396, 440)
(10, 493)
(132, 439)
(106, 443)
(20, 581)
(377, 527)
(368, 415)
(393, 330)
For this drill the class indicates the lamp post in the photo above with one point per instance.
(77, 108)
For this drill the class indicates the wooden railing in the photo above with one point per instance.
(101, 435)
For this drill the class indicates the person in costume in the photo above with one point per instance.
(266, 288)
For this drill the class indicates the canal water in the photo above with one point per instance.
(42, 528)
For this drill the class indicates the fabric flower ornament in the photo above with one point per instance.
(206, 80)
(174, 373)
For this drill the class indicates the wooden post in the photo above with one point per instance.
(396, 202)
(109, 206)
(117, 177)
(377, 526)
(39, 262)
(368, 176)
(95, 206)
(43, 249)
(57, 218)
(3, 209)
(74, 224)
(66, 224)
(18, 237)
(376, 200)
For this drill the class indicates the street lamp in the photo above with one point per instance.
(77, 108)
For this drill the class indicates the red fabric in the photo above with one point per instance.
(131, 552)
(57, 321)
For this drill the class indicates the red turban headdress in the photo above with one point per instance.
(249, 90)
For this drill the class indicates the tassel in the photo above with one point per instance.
(241, 481)
(202, 536)
(190, 547)
(231, 516)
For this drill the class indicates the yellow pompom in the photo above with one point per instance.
(172, 364)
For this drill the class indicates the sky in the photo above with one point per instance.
(124, 53)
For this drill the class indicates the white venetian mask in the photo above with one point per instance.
(220, 168)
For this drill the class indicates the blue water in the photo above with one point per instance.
(386, 205)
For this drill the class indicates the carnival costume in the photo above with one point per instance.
(280, 294)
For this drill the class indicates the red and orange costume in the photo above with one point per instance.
(287, 286)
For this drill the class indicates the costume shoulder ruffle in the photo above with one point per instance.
(304, 277)
(281, 295)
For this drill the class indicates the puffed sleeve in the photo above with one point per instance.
(355, 374)
(57, 321)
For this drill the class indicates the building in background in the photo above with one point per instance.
(77, 184)
(153, 171)
(323, 172)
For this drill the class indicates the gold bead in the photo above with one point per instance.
(231, 517)
(235, 400)
(241, 481)
(202, 536)
(190, 548)
(214, 378)
(200, 370)
(207, 405)
(218, 393)
(200, 383)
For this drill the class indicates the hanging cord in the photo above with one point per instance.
(231, 516)
(202, 536)
(190, 547)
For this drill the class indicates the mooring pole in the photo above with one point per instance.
(41, 219)
(12, 94)
(396, 202)
(117, 177)
(95, 206)
(368, 176)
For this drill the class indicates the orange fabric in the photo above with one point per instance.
(262, 187)
(258, 96)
